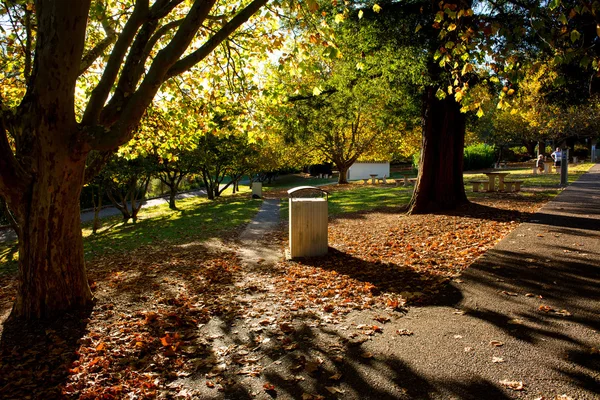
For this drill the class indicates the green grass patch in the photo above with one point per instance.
(293, 180)
(360, 198)
(197, 219)
(9, 256)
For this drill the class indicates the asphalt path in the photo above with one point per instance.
(527, 312)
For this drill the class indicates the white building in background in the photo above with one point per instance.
(364, 169)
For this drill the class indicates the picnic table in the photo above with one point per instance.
(492, 180)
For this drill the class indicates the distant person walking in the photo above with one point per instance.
(557, 156)
(540, 163)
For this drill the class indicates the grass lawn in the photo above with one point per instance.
(293, 180)
(197, 219)
(359, 197)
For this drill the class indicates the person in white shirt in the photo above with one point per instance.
(557, 156)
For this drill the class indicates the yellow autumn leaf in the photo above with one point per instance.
(376, 8)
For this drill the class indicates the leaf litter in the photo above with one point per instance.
(150, 326)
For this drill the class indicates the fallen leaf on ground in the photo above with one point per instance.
(404, 332)
(514, 385)
(382, 318)
(545, 308)
(334, 390)
(497, 359)
(335, 377)
(496, 343)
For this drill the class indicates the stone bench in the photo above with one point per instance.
(510, 184)
(484, 184)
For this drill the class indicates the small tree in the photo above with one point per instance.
(126, 183)
(222, 156)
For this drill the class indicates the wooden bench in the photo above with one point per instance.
(509, 186)
(485, 185)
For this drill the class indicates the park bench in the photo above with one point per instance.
(484, 184)
(407, 181)
(512, 186)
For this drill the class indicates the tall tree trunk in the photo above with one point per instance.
(541, 147)
(97, 208)
(51, 263)
(440, 183)
(343, 178)
(530, 146)
(52, 276)
(172, 194)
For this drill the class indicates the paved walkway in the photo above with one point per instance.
(528, 311)
(252, 251)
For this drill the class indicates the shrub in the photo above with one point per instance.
(415, 160)
(479, 156)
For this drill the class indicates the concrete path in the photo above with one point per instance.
(252, 247)
(528, 311)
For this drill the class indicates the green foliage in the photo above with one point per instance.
(222, 156)
(126, 182)
(416, 157)
(479, 156)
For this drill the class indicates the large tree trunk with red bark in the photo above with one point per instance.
(440, 183)
(51, 263)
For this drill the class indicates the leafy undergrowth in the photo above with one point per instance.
(193, 321)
